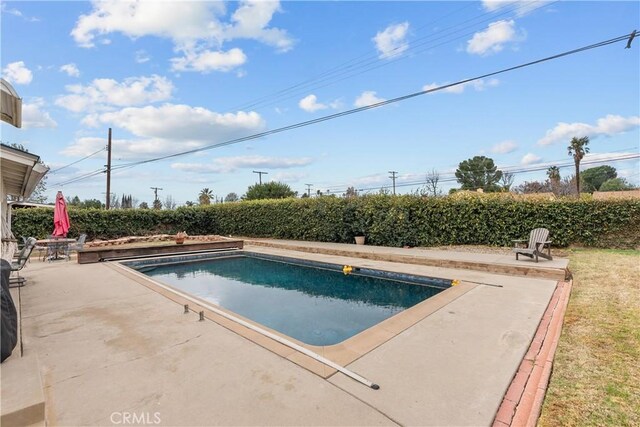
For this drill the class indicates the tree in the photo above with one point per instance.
(75, 201)
(507, 181)
(533, 187)
(433, 178)
(567, 186)
(157, 204)
(351, 192)
(114, 203)
(554, 174)
(127, 202)
(554, 178)
(231, 197)
(593, 178)
(189, 203)
(479, 172)
(269, 190)
(144, 205)
(169, 203)
(205, 196)
(615, 184)
(577, 148)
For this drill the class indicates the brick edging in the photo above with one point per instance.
(523, 400)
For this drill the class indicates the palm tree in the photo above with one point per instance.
(205, 196)
(554, 174)
(554, 178)
(578, 148)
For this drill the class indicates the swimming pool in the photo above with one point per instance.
(313, 302)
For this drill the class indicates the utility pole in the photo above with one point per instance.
(393, 177)
(155, 192)
(309, 189)
(261, 173)
(108, 166)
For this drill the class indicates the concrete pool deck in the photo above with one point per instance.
(107, 346)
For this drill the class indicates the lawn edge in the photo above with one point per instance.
(522, 403)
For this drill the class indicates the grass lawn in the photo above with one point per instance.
(596, 374)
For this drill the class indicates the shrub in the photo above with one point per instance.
(385, 220)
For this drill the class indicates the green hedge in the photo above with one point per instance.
(385, 220)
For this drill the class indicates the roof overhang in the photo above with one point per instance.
(21, 171)
(10, 104)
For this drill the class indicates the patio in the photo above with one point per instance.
(110, 346)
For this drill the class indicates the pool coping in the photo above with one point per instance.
(432, 258)
(342, 353)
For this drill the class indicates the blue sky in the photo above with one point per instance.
(171, 77)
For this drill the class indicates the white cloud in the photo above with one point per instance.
(103, 94)
(18, 13)
(71, 70)
(530, 159)
(34, 117)
(251, 20)
(609, 125)
(478, 85)
(170, 128)
(504, 147)
(196, 29)
(522, 9)
(493, 39)
(142, 56)
(171, 20)
(207, 60)
(230, 164)
(391, 41)
(310, 104)
(367, 98)
(17, 73)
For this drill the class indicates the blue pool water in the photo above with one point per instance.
(317, 306)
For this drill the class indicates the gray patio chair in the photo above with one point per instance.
(538, 240)
(21, 260)
(77, 246)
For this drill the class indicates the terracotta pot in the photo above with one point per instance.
(180, 241)
(359, 240)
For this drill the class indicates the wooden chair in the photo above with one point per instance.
(534, 248)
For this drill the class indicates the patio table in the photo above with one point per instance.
(56, 247)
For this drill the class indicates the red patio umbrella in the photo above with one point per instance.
(60, 217)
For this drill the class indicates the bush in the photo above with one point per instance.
(385, 220)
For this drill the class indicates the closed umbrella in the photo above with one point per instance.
(60, 217)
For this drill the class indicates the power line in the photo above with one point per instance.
(516, 170)
(79, 178)
(77, 161)
(376, 105)
(372, 59)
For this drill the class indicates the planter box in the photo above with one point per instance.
(91, 255)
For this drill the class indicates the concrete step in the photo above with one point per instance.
(22, 395)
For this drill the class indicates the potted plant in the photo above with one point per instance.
(358, 230)
(180, 236)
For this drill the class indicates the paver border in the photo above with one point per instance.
(522, 403)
